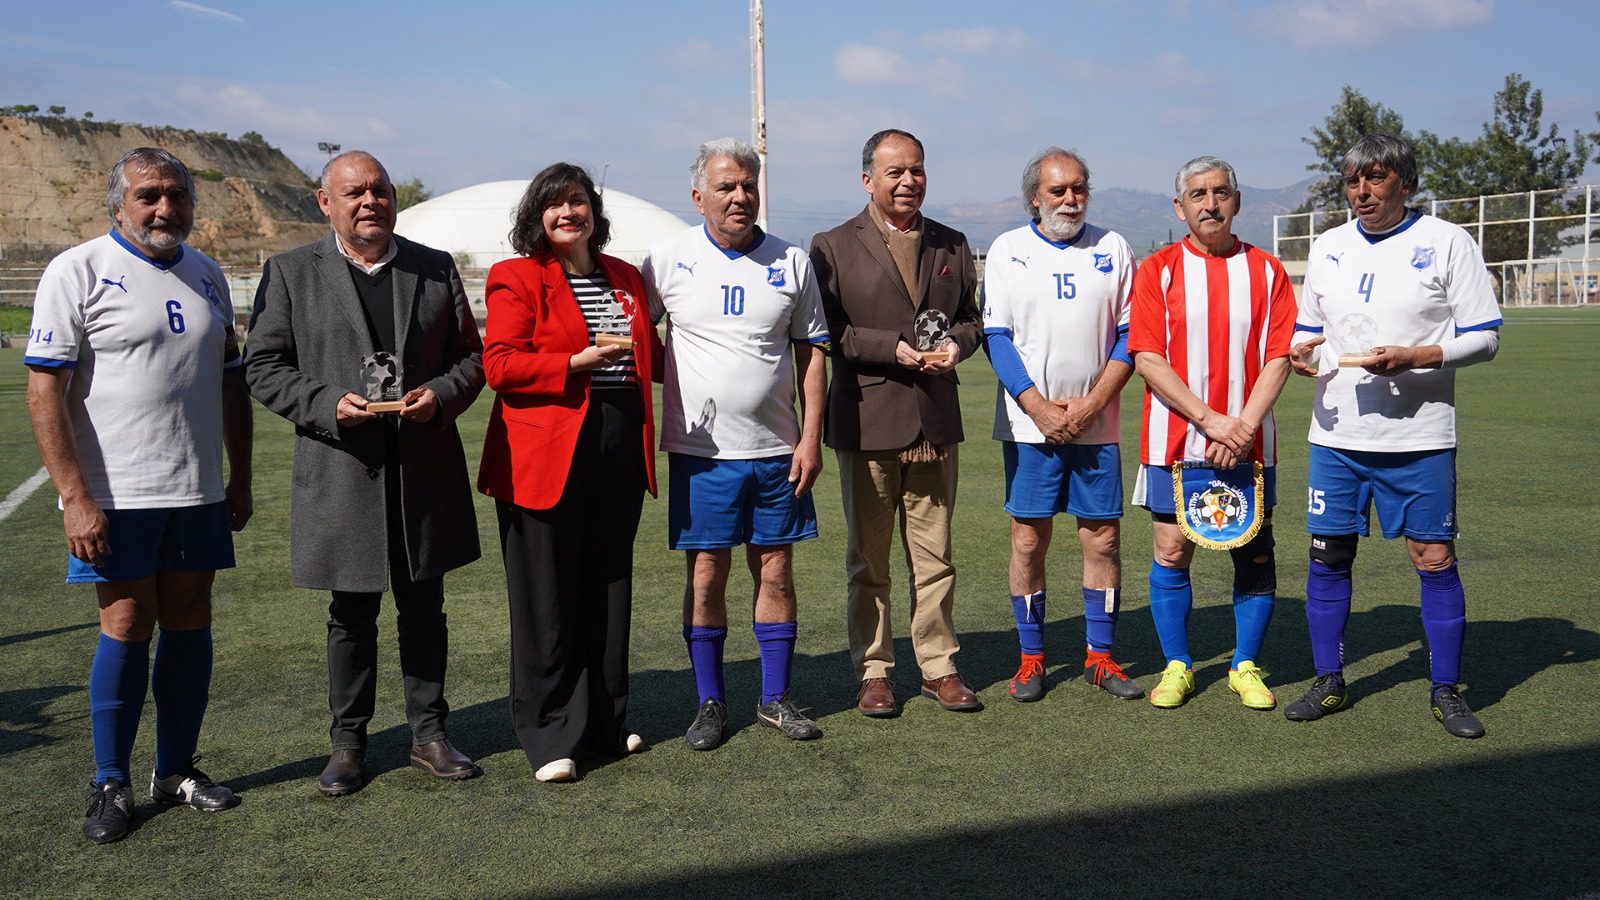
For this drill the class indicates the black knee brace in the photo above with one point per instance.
(1249, 576)
(1337, 552)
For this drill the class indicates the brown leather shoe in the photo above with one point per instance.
(876, 699)
(344, 774)
(443, 761)
(952, 693)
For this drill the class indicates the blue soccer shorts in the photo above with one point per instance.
(1044, 479)
(145, 541)
(1414, 492)
(716, 503)
(1154, 489)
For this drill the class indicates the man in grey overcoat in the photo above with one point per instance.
(380, 500)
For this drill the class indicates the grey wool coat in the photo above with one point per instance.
(308, 335)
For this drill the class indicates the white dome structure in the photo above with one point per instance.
(475, 221)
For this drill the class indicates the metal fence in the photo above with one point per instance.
(1542, 247)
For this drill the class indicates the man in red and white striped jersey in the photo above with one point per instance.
(1209, 332)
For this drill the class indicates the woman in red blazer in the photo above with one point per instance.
(570, 354)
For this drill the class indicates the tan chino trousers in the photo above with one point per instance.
(877, 488)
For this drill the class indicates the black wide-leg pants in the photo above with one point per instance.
(569, 582)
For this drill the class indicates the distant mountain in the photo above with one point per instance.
(1144, 218)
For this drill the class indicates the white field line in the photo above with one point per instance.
(23, 492)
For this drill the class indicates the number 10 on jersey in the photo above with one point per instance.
(732, 300)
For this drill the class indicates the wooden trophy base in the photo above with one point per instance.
(612, 340)
(385, 406)
(935, 356)
(1356, 360)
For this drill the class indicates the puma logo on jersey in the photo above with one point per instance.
(1334, 258)
(687, 268)
(1020, 261)
(116, 284)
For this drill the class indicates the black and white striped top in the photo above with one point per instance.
(603, 312)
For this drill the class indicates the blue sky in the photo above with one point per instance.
(461, 93)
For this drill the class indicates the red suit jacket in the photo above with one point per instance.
(534, 326)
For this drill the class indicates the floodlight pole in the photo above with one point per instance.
(758, 65)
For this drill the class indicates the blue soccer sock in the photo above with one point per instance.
(1252, 613)
(180, 683)
(705, 657)
(1171, 597)
(1444, 621)
(1028, 610)
(1327, 611)
(1100, 607)
(776, 640)
(117, 682)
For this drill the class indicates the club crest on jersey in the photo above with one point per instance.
(775, 276)
(212, 294)
(1421, 257)
(1102, 261)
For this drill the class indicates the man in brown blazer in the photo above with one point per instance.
(898, 290)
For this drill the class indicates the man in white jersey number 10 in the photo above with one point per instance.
(134, 390)
(743, 319)
(1394, 302)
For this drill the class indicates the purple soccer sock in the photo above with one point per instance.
(705, 657)
(1444, 621)
(1327, 610)
(776, 641)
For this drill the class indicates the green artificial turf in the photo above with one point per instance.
(1077, 795)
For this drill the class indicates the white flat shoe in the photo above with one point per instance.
(558, 770)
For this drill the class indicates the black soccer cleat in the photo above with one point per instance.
(787, 718)
(110, 812)
(191, 787)
(706, 732)
(1453, 712)
(1327, 695)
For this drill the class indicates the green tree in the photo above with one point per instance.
(1352, 118)
(58, 110)
(410, 193)
(87, 114)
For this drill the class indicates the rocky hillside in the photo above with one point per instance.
(251, 200)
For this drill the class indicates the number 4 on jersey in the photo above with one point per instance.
(1365, 288)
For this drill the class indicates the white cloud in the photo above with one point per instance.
(1354, 23)
(240, 108)
(865, 64)
(981, 40)
(204, 12)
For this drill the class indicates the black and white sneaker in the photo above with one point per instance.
(1327, 695)
(191, 787)
(110, 812)
(783, 715)
(706, 732)
(1453, 712)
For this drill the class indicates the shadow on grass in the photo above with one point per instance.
(9, 639)
(22, 711)
(1519, 826)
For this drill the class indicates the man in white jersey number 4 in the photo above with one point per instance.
(1394, 302)
(744, 317)
(134, 389)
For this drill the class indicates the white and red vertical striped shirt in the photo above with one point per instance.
(1217, 320)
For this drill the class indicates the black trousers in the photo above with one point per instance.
(569, 582)
(353, 642)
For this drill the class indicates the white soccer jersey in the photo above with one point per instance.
(729, 390)
(1061, 305)
(147, 342)
(1419, 284)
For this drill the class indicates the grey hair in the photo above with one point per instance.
(1030, 175)
(141, 160)
(733, 148)
(1200, 165)
(870, 149)
(1393, 154)
(322, 180)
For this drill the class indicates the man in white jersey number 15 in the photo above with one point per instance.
(744, 317)
(1055, 319)
(134, 390)
(1394, 302)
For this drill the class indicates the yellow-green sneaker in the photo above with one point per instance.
(1177, 683)
(1246, 682)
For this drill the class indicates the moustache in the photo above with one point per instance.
(1210, 215)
